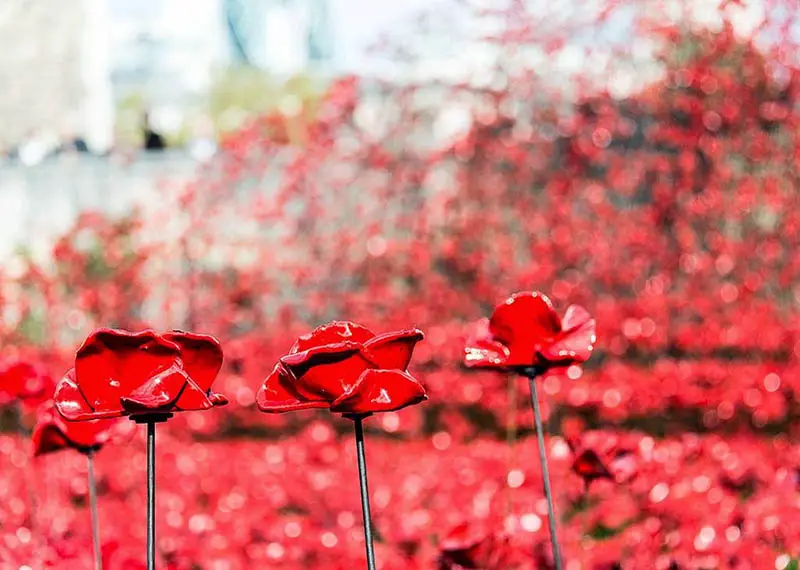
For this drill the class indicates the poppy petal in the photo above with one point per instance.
(201, 356)
(69, 399)
(482, 351)
(217, 399)
(486, 354)
(393, 350)
(575, 317)
(524, 323)
(276, 396)
(334, 332)
(380, 391)
(112, 364)
(52, 433)
(326, 372)
(193, 398)
(88, 435)
(576, 343)
(47, 438)
(159, 393)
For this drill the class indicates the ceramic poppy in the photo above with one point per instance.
(598, 455)
(120, 373)
(472, 545)
(52, 433)
(347, 368)
(525, 332)
(22, 380)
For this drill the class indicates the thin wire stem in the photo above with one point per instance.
(511, 436)
(551, 511)
(362, 475)
(151, 495)
(98, 560)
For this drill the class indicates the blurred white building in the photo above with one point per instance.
(53, 75)
(282, 36)
(170, 48)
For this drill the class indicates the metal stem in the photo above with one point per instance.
(362, 475)
(151, 495)
(551, 511)
(98, 560)
(511, 436)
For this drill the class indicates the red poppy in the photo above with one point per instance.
(347, 368)
(120, 373)
(52, 433)
(600, 455)
(526, 332)
(21, 380)
(472, 545)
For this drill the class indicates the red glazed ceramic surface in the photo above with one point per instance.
(347, 368)
(525, 332)
(52, 433)
(120, 373)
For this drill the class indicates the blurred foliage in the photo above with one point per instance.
(128, 124)
(238, 94)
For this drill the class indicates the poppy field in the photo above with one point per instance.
(661, 226)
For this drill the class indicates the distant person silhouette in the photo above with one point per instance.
(79, 143)
(152, 140)
(73, 144)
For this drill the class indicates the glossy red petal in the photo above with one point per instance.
(574, 318)
(277, 396)
(525, 323)
(112, 364)
(217, 399)
(576, 343)
(47, 438)
(201, 356)
(380, 391)
(482, 351)
(52, 433)
(393, 350)
(70, 402)
(326, 372)
(334, 332)
(161, 393)
(193, 398)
